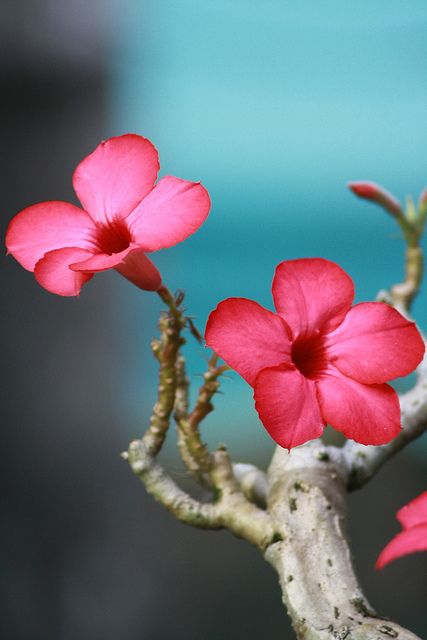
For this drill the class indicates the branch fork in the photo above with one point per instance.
(294, 513)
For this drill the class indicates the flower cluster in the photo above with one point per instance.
(318, 360)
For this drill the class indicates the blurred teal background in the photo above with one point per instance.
(274, 106)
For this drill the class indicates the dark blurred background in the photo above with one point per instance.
(274, 106)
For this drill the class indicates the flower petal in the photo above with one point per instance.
(406, 542)
(114, 178)
(47, 226)
(137, 268)
(101, 261)
(53, 273)
(287, 406)
(369, 414)
(170, 213)
(247, 336)
(312, 294)
(375, 343)
(414, 513)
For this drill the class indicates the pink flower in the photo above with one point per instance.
(124, 215)
(317, 360)
(413, 518)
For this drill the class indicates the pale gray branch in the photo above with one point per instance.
(231, 510)
(253, 482)
(312, 558)
(161, 486)
(238, 514)
(294, 514)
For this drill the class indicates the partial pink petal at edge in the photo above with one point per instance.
(53, 273)
(414, 513)
(406, 542)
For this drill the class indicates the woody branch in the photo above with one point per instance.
(306, 498)
(364, 461)
(295, 514)
(229, 507)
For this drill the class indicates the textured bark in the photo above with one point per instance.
(295, 514)
(320, 589)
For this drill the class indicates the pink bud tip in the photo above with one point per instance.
(375, 193)
(368, 190)
(423, 199)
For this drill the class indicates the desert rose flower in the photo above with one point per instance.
(413, 518)
(318, 360)
(124, 215)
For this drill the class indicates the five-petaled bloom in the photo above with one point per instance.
(124, 216)
(318, 360)
(413, 518)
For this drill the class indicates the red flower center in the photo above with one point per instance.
(309, 356)
(113, 237)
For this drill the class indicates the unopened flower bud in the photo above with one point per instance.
(375, 193)
(411, 211)
(422, 204)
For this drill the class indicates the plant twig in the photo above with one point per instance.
(142, 453)
(165, 349)
(230, 508)
(364, 461)
(161, 486)
(194, 452)
(253, 482)
(412, 223)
